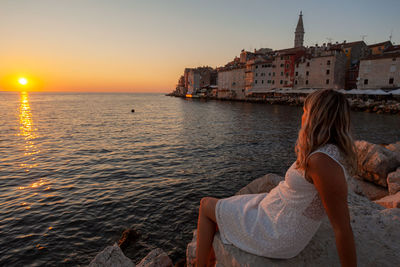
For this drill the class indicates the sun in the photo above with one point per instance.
(22, 81)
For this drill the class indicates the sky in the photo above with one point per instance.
(144, 46)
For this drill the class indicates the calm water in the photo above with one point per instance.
(78, 169)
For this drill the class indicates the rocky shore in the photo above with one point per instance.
(377, 103)
(374, 204)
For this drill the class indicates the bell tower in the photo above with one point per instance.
(299, 33)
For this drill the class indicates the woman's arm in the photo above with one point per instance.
(328, 178)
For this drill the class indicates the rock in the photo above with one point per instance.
(375, 230)
(376, 236)
(128, 237)
(191, 251)
(375, 162)
(261, 185)
(393, 180)
(395, 147)
(111, 256)
(366, 188)
(391, 201)
(156, 258)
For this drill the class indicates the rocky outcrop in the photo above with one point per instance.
(393, 181)
(375, 230)
(156, 258)
(391, 201)
(375, 162)
(366, 188)
(111, 256)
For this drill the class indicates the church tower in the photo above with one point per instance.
(299, 33)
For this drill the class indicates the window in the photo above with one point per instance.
(346, 51)
(256, 82)
(281, 73)
(269, 81)
(307, 73)
(366, 81)
(394, 59)
(391, 80)
(327, 71)
(287, 66)
(281, 65)
(306, 81)
(295, 82)
(273, 74)
(287, 74)
(327, 81)
(297, 65)
(328, 62)
(297, 74)
(269, 74)
(256, 74)
(285, 82)
(256, 67)
(273, 82)
(262, 81)
(308, 64)
(281, 82)
(281, 58)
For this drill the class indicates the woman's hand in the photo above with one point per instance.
(328, 178)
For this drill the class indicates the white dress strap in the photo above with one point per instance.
(333, 152)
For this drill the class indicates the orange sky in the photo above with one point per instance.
(144, 46)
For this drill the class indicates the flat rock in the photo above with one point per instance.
(111, 256)
(375, 162)
(375, 231)
(156, 258)
(391, 201)
(393, 181)
(366, 188)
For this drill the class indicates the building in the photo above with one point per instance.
(198, 78)
(322, 67)
(259, 76)
(231, 80)
(380, 71)
(299, 33)
(379, 48)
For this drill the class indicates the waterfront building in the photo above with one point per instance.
(198, 78)
(299, 33)
(284, 66)
(259, 76)
(380, 71)
(231, 80)
(322, 67)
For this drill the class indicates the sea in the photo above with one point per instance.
(77, 169)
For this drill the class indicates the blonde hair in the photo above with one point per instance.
(327, 121)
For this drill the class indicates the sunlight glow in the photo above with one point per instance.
(22, 81)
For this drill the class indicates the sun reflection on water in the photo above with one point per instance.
(28, 132)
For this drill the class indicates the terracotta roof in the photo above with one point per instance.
(380, 44)
(382, 56)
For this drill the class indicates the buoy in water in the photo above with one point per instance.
(133, 110)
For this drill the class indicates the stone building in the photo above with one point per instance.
(284, 66)
(231, 80)
(380, 71)
(299, 33)
(322, 67)
(197, 78)
(259, 76)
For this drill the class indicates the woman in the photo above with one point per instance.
(279, 224)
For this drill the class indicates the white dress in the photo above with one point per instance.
(278, 224)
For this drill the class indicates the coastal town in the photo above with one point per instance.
(368, 74)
